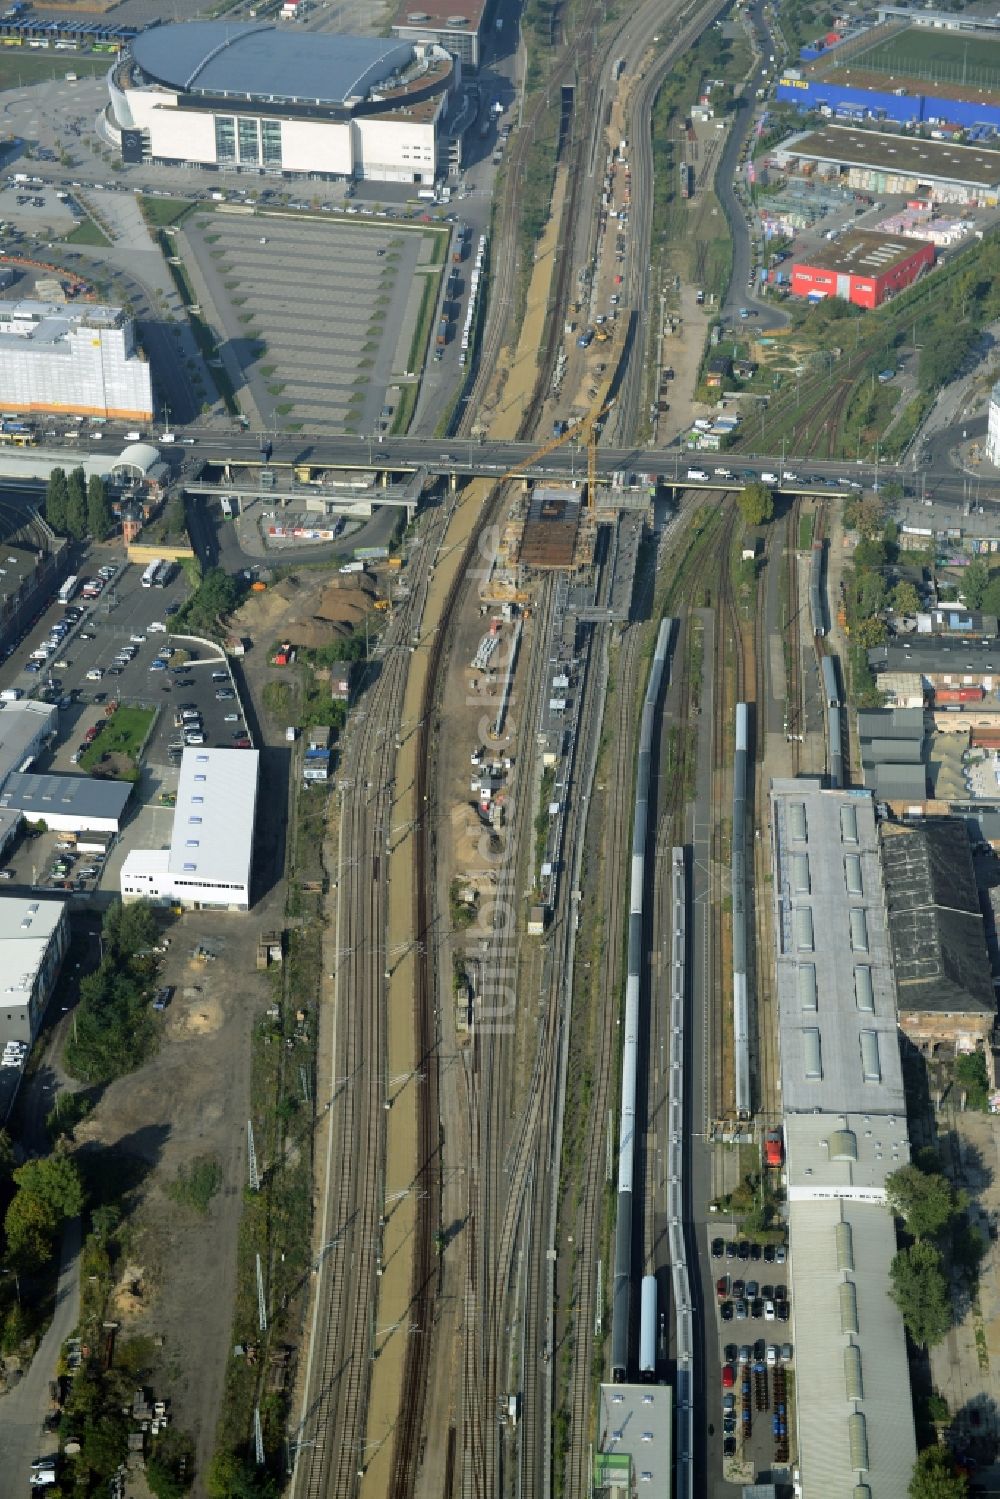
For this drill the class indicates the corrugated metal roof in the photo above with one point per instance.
(268, 62)
(219, 787)
(826, 1460)
(836, 917)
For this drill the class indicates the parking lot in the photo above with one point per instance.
(756, 1353)
(337, 332)
(111, 661)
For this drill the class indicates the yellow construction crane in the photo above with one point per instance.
(586, 428)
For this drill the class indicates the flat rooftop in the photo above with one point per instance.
(20, 725)
(453, 15)
(212, 836)
(26, 928)
(836, 994)
(935, 161)
(88, 798)
(843, 1155)
(633, 1449)
(47, 323)
(860, 252)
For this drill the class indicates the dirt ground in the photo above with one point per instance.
(190, 1101)
(308, 609)
(966, 1366)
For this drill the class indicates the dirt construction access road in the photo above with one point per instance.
(191, 1100)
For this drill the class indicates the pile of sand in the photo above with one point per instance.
(310, 612)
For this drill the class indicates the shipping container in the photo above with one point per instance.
(958, 695)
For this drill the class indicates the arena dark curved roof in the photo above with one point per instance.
(267, 62)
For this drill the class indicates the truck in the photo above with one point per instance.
(427, 193)
(442, 333)
(774, 1147)
(353, 567)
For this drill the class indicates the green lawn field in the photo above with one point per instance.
(945, 57)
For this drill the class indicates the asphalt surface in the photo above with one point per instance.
(740, 294)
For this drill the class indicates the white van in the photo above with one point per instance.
(11, 695)
(133, 437)
(769, 478)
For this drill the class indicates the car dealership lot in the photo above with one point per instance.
(756, 1352)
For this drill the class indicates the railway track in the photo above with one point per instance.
(331, 1449)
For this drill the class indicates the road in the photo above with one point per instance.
(23, 1410)
(740, 292)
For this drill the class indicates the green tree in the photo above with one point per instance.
(925, 1200)
(76, 505)
(869, 554)
(971, 1074)
(232, 1477)
(991, 596)
(129, 929)
(99, 520)
(935, 1476)
(756, 503)
(975, 583)
(871, 594)
(920, 1290)
(870, 633)
(905, 598)
(56, 496)
(55, 1181)
(864, 514)
(29, 1227)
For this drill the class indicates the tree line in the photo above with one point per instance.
(76, 507)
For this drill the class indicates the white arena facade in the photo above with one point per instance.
(279, 101)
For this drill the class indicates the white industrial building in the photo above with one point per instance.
(82, 359)
(208, 863)
(34, 936)
(24, 728)
(67, 804)
(845, 1131)
(277, 101)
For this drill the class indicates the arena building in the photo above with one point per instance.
(278, 101)
(865, 269)
(81, 358)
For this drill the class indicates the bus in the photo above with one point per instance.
(164, 572)
(68, 589)
(150, 573)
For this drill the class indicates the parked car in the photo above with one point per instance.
(722, 1287)
(768, 1311)
(726, 1311)
(718, 1248)
(728, 1376)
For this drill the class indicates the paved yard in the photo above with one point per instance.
(319, 314)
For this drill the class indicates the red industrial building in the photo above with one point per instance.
(862, 267)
